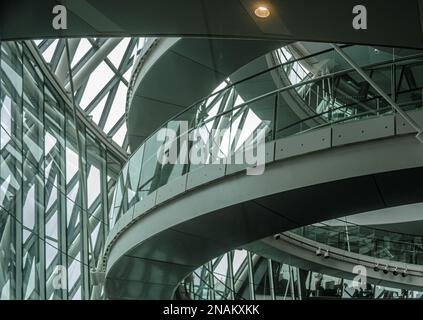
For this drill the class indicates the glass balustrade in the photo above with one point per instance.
(367, 241)
(291, 97)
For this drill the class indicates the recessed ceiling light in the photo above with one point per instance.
(262, 12)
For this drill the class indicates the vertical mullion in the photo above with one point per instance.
(271, 281)
(40, 211)
(250, 276)
(104, 193)
(211, 281)
(275, 117)
(84, 212)
(83, 190)
(231, 274)
(62, 214)
(18, 205)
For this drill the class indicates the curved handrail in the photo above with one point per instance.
(407, 266)
(273, 68)
(367, 241)
(150, 43)
(224, 105)
(378, 263)
(349, 223)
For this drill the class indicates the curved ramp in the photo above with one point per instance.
(311, 177)
(301, 252)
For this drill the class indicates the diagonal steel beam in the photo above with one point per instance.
(90, 66)
(379, 90)
(62, 67)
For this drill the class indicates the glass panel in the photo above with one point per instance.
(8, 256)
(134, 174)
(11, 127)
(40, 192)
(151, 168)
(73, 212)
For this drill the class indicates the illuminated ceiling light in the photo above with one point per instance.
(395, 272)
(386, 269)
(262, 12)
(326, 256)
(404, 272)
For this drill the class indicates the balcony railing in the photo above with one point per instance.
(364, 240)
(332, 92)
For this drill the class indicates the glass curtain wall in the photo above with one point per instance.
(52, 226)
(228, 277)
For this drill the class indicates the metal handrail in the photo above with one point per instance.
(286, 88)
(326, 76)
(274, 92)
(308, 234)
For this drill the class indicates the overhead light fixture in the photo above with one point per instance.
(326, 256)
(277, 236)
(262, 12)
(386, 270)
(376, 267)
(318, 252)
(395, 272)
(404, 272)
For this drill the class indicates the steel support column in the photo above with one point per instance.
(271, 282)
(230, 256)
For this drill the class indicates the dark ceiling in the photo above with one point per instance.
(390, 23)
